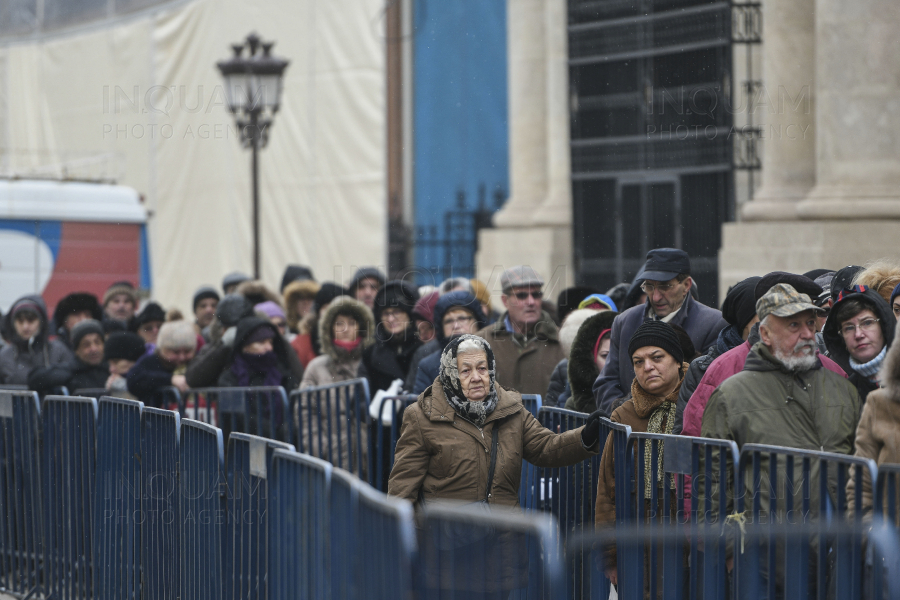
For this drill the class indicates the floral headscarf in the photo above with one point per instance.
(476, 412)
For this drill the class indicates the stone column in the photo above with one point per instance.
(858, 112)
(535, 225)
(785, 104)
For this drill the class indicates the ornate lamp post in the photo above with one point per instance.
(253, 89)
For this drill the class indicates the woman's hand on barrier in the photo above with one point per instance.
(611, 574)
(590, 434)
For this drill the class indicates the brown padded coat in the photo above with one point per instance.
(525, 369)
(448, 457)
(878, 433)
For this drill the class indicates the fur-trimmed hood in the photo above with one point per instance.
(257, 292)
(582, 369)
(890, 370)
(345, 305)
(834, 341)
(302, 289)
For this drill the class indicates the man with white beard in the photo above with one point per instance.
(783, 396)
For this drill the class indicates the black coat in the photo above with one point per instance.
(384, 361)
(147, 377)
(246, 326)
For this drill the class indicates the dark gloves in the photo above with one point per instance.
(590, 435)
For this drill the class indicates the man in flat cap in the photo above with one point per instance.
(667, 283)
(525, 340)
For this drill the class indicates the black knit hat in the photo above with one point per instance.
(294, 273)
(802, 284)
(150, 313)
(659, 334)
(83, 328)
(124, 346)
(204, 293)
(328, 292)
(739, 306)
(396, 294)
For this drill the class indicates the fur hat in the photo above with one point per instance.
(582, 369)
(120, 287)
(124, 346)
(257, 292)
(571, 325)
(76, 303)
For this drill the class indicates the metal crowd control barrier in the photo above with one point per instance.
(160, 524)
(487, 554)
(532, 403)
(344, 501)
(249, 461)
(68, 426)
(384, 443)
(332, 423)
(92, 393)
(299, 527)
(684, 482)
(387, 524)
(887, 493)
(260, 411)
(21, 498)
(118, 514)
(202, 514)
(808, 486)
(796, 567)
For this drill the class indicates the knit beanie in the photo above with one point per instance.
(739, 306)
(234, 278)
(152, 312)
(659, 334)
(124, 346)
(328, 292)
(204, 293)
(270, 309)
(424, 308)
(83, 328)
(396, 294)
(120, 287)
(894, 295)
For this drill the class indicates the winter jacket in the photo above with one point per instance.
(425, 350)
(386, 360)
(728, 338)
(78, 376)
(306, 344)
(701, 323)
(446, 457)
(428, 366)
(20, 357)
(635, 413)
(721, 369)
(289, 379)
(558, 381)
(148, 376)
(335, 364)
(527, 368)
(582, 368)
(878, 434)
(834, 340)
(768, 404)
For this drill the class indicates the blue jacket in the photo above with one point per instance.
(701, 322)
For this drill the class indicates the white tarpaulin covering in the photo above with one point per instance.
(146, 91)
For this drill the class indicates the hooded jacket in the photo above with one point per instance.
(336, 364)
(245, 327)
(526, 369)
(720, 370)
(701, 323)
(582, 369)
(20, 356)
(428, 368)
(294, 291)
(834, 340)
(878, 433)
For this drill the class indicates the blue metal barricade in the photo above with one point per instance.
(117, 500)
(387, 432)
(887, 493)
(299, 527)
(248, 463)
(202, 511)
(780, 484)
(332, 423)
(92, 392)
(21, 532)
(261, 411)
(532, 403)
(343, 504)
(386, 523)
(493, 553)
(160, 524)
(68, 427)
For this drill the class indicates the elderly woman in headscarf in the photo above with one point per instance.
(450, 436)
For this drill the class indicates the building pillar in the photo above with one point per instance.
(534, 227)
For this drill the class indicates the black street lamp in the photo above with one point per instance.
(253, 89)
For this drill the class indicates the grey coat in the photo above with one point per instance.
(18, 358)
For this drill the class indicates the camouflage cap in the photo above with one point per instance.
(782, 300)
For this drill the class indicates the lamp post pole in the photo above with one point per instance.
(253, 89)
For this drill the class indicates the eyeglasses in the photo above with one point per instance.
(864, 326)
(537, 295)
(649, 288)
(458, 321)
